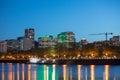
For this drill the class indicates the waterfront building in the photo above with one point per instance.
(9, 45)
(115, 40)
(66, 39)
(3, 46)
(83, 41)
(12, 45)
(29, 33)
(47, 41)
(25, 43)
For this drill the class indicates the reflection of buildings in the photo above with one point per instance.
(23, 77)
(79, 72)
(64, 72)
(54, 72)
(47, 41)
(34, 74)
(45, 72)
(3, 76)
(92, 72)
(29, 72)
(49, 73)
(10, 73)
(18, 73)
(106, 72)
(67, 39)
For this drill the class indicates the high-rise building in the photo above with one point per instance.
(25, 43)
(29, 33)
(67, 39)
(47, 41)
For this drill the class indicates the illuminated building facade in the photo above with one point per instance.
(67, 39)
(47, 41)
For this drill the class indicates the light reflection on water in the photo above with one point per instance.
(92, 70)
(9, 71)
(106, 73)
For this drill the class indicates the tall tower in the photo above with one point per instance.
(29, 33)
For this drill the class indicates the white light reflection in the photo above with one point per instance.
(53, 73)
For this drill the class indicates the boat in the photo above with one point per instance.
(34, 60)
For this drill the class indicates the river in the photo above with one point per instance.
(17, 71)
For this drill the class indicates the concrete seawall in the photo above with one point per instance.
(72, 62)
(14, 61)
(91, 61)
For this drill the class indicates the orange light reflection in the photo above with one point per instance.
(79, 72)
(35, 77)
(106, 73)
(92, 69)
(23, 72)
(64, 72)
(3, 71)
(29, 71)
(10, 72)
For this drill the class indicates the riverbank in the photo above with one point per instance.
(91, 61)
(72, 61)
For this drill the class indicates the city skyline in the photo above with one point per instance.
(82, 17)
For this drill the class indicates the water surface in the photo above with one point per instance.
(10, 71)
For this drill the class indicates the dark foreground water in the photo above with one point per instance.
(10, 71)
